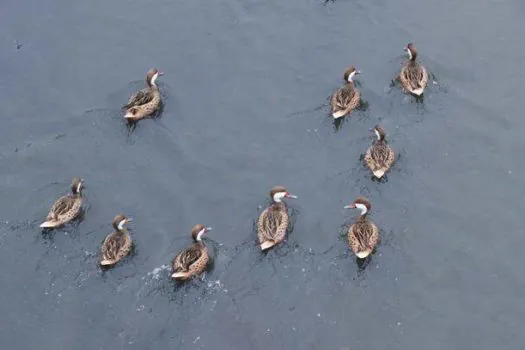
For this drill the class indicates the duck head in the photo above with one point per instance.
(410, 49)
(152, 76)
(350, 74)
(198, 230)
(77, 185)
(119, 221)
(277, 194)
(380, 132)
(361, 203)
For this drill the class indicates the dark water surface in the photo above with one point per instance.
(245, 92)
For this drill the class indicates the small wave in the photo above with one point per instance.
(157, 272)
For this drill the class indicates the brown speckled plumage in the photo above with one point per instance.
(413, 76)
(346, 98)
(379, 157)
(65, 208)
(145, 102)
(117, 245)
(273, 221)
(191, 261)
(363, 235)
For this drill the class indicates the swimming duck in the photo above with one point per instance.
(379, 157)
(413, 76)
(145, 102)
(273, 221)
(363, 235)
(117, 244)
(348, 97)
(65, 208)
(194, 259)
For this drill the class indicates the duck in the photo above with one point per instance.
(363, 235)
(65, 208)
(273, 221)
(145, 102)
(379, 157)
(348, 97)
(413, 75)
(193, 260)
(117, 245)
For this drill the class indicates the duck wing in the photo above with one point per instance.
(183, 261)
(363, 236)
(60, 207)
(380, 155)
(414, 75)
(344, 97)
(113, 246)
(139, 98)
(272, 223)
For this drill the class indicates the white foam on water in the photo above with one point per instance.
(156, 273)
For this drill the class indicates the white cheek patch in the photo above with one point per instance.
(377, 134)
(199, 235)
(279, 196)
(362, 207)
(154, 79)
(351, 77)
(409, 54)
(121, 224)
(79, 186)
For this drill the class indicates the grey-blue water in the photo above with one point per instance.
(245, 93)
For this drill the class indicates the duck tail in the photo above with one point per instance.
(106, 262)
(363, 254)
(180, 275)
(49, 224)
(418, 92)
(267, 245)
(379, 173)
(339, 114)
(131, 113)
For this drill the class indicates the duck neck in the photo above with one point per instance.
(153, 87)
(351, 77)
(198, 238)
(363, 217)
(152, 81)
(380, 137)
(277, 205)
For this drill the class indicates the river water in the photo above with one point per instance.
(245, 90)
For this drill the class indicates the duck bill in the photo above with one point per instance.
(289, 195)
(129, 220)
(207, 229)
(161, 74)
(349, 206)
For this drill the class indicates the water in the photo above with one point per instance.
(245, 90)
